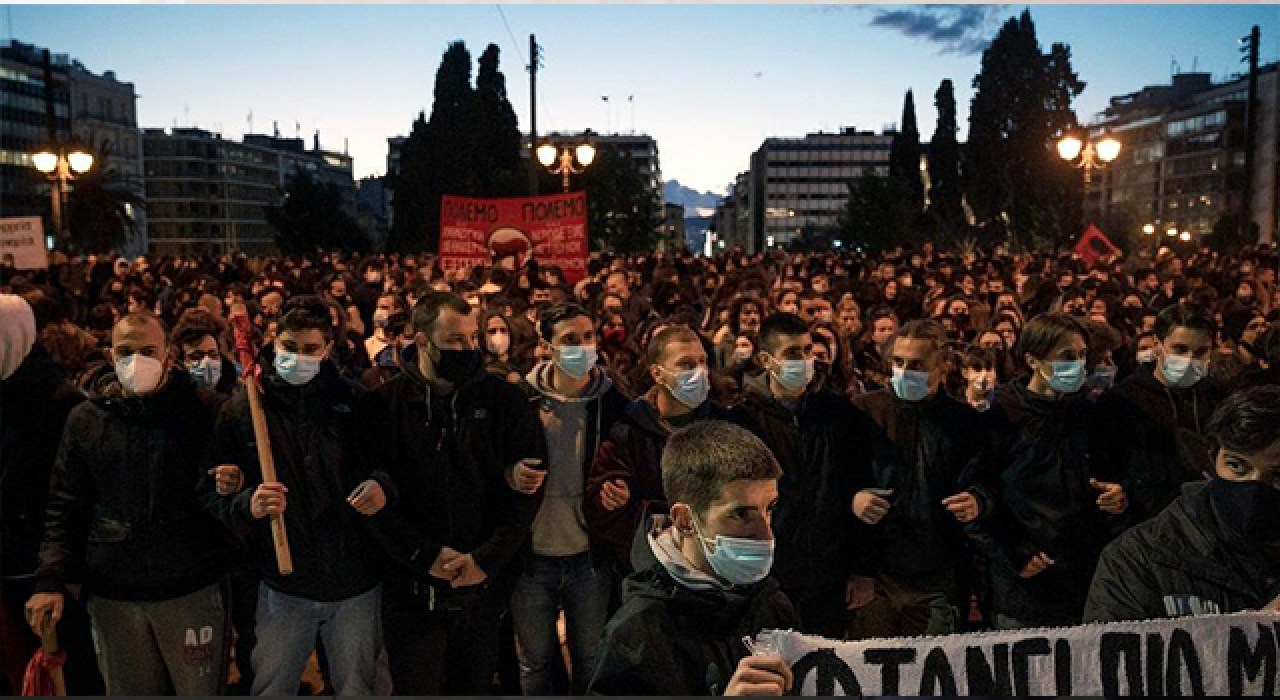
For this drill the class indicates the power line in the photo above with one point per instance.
(511, 34)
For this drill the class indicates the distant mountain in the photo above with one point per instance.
(676, 193)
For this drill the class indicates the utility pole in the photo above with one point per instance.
(533, 115)
(1250, 129)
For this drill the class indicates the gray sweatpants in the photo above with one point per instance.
(185, 638)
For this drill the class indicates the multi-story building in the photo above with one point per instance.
(1182, 165)
(210, 194)
(732, 219)
(799, 185)
(104, 119)
(24, 127)
(673, 227)
(373, 208)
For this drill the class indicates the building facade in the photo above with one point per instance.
(24, 127)
(1182, 165)
(105, 120)
(673, 227)
(800, 185)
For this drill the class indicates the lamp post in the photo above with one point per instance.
(61, 165)
(1087, 154)
(560, 161)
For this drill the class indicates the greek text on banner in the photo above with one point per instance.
(508, 232)
(1190, 656)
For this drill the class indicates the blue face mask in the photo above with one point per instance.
(910, 384)
(1180, 371)
(576, 360)
(738, 560)
(794, 375)
(691, 387)
(1068, 376)
(206, 373)
(296, 369)
(1102, 378)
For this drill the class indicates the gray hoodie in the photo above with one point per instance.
(560, 530)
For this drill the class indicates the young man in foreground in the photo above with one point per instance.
(702, 581)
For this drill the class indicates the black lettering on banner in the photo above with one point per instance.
(937, 678)
(1155, 664)
(829, 669)
(1062, 667)
(1182, 652)
(983, 679)
(1023, 650)
(1243, 659)
(889, 660)
(1113, 646)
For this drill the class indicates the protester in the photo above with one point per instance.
(703, 584)
(627, 472)
(130, 522)
(1216, 548)
(451, 439)
(324, 487)
(911, 499)
(577, 406)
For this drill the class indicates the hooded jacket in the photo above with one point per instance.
(1156, 437)
(448, 456)
(812, 522)
(124, 514)
(670, 639)
(1036, 470)
(1180, 563)
(925, 451)
(632, 451)
(595, 411)
(34, 404)
(317, 435)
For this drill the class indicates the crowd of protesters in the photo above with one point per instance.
(481, 490)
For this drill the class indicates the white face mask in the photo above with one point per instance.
(499, 342)
(139, 374)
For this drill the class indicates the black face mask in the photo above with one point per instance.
(1250, 510)
(455, 366)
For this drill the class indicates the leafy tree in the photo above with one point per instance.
(946, 212)
(311, 217)
(904, 156)
(1022, 100)
(878, 213)
(98, 208)
(469, 146)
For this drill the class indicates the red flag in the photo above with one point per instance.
(1094, 245)
(243, 332)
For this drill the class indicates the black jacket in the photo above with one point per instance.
(318, 432)
(1036, 470)
(819, 454)
(1156, 437)
(124, 510)
(1179, 563)
(448, 456)
(34, 403)
(670, 640)
(925, 451)
(632, 451)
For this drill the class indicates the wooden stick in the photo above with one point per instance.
(261, 436)
(49, 644)
(266, 460)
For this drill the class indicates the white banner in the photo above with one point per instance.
(23, 238)
(1190, 656)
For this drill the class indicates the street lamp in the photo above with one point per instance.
(1090, 154)
(548, 155)
(61, 164)
(1149, 229)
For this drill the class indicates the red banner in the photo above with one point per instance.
(1094, 245)
(508, 232)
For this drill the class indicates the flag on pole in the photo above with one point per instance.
(1094, 245)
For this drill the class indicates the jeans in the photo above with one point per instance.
(552, 584)
(350, 629)
(183, 640)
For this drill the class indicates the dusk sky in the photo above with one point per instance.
(709, 82)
